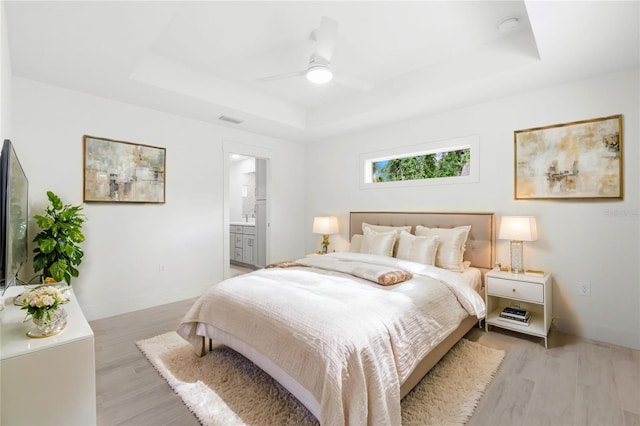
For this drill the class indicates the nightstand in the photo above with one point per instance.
(520, 291)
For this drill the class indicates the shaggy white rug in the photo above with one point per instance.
(224, 388)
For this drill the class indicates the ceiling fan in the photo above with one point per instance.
(319, 69)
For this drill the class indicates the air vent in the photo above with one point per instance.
(230, 119)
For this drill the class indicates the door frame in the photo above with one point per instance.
(232, 147)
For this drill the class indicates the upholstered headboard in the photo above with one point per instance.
(480, 245)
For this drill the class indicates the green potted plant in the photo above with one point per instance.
(58, 251)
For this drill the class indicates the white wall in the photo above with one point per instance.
(5, 79)
(592, 242)
(137, 256)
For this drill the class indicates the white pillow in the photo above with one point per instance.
(380, 243)
(417, 249)
(452, 245)
(385, 228)
(356, 242)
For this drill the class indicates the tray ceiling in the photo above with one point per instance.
(405, 59)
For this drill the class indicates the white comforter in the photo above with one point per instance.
(347, 340)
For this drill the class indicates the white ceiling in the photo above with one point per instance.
(202, 59)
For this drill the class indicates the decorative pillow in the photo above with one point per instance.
(418, 249)
(385, 228)
(452, 245)
(356, 242)
(394, 277)
(380, 243)
(285, 264)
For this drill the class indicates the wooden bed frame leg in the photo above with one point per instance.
(203, 348)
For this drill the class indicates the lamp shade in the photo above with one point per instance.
(518, 228)
(325, 225)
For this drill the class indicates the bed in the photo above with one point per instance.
(347, 347)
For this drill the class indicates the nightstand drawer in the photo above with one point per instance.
(533, 292)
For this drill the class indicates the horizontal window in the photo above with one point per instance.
(435, 163)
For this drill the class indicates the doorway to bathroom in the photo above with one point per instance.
(247, 205)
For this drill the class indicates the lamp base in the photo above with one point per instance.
(325, 244)
(517, 257)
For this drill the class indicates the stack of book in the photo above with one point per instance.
(515, 316)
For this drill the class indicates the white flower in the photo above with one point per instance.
(41, 299)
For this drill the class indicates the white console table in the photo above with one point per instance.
(46, 381)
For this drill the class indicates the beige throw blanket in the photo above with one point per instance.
(350, 342)
(380, 274)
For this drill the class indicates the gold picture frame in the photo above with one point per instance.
(122, 172)
(577, 160)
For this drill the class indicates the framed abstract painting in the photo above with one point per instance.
(581, 160)
(123, 172)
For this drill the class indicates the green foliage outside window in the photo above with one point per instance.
(429, 166)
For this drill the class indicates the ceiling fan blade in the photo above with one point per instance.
(352, 82)
(283, 76)
(325, 37)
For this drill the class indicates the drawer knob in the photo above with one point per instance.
(513, 290)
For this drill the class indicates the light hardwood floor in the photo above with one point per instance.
(574, 382)
(235, 270)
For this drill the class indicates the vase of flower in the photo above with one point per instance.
(52, 322)
(44, 304)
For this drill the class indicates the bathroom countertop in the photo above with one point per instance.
(242, 223)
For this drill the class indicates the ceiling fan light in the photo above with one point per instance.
(319, 74)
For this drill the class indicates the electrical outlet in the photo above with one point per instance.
(162, 268)
(585, 289)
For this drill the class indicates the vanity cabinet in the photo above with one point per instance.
(235, 243)
(243, 248)
(248, 249)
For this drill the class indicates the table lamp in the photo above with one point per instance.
(518, 229)
(325, 225)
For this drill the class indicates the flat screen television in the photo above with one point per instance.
(14, 216)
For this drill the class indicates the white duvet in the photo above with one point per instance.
(350, 342)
